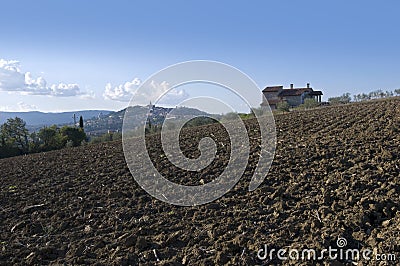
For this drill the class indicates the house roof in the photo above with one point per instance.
(294, 92)
(273, 89)
(316, 93)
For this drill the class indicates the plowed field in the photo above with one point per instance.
(336, 173)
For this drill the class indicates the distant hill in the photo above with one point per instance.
(97, 122)
(35, 118)
(113, 120)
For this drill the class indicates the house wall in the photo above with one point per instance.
(271, 95)
(294, 100)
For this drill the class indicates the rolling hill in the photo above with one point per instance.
(36, 118)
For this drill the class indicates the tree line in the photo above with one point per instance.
(16, 140)
(377, 94)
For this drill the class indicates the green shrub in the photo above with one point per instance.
(283, 106)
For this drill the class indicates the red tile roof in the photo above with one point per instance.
(273, 89)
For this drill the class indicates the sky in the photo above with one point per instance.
(79, 55)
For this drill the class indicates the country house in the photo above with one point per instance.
(293, 96)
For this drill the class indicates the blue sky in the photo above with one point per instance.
(73, 49)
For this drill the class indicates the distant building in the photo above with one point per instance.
(293, 96)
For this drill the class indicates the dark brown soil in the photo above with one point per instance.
(336, 173)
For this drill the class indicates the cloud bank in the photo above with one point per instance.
(22, 106)
(124, 92)
(12, 79)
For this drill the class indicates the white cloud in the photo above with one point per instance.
(124, 92)
(11, 65)
(65, 90)
(5, 108)
(22, 106)
(173, 97)
(12, 79)
(89, 95)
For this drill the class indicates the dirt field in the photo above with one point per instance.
(336, 173)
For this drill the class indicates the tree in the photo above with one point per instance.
(344, 98)
(381, 93)
(50, 138)
(14, 135)
(34, 144)
(229, 116)
(76, 135)
(81, 122)
(283, 106)
(389, 93)
(310, 103)
(372, 95)
(200, 121)
(376, 94)
(110, 136)
(334, 100)
(365, 97)
(397, 91)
